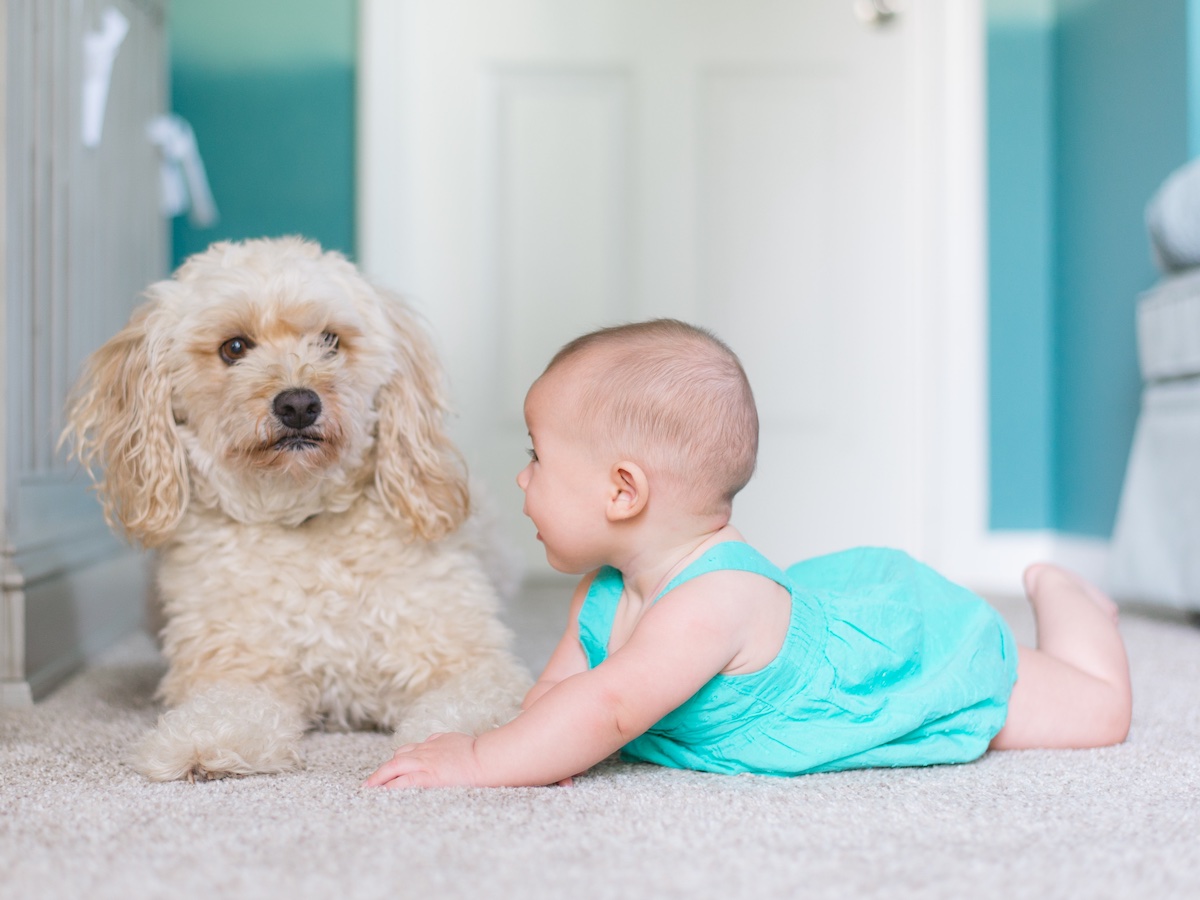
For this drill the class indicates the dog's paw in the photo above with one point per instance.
(163, 756)
(466, 705)
(421, 722)
(415, 730)
(218, 733)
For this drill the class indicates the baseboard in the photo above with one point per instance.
(989, 563)
(73, 616)
(993, 562)
(15, 693)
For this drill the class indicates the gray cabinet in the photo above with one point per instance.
(82, 235)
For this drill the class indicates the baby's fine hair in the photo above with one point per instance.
(675, 395)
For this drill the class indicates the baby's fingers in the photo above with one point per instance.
(414, 780)
(391, 769)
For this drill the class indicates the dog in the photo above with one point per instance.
(273, 424)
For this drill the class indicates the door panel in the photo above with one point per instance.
(550, 167)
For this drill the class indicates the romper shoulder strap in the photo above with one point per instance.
(735, 555)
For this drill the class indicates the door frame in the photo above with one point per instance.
(946, 157)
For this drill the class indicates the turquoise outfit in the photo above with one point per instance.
(886, 663)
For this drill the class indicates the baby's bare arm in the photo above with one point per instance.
(678, 646)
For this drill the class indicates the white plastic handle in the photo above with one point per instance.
(184, 180)
(99, 51)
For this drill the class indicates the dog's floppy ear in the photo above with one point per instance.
(119, 417)
(419, 472)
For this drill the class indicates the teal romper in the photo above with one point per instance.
(886, 663)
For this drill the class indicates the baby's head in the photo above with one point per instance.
(672, 397)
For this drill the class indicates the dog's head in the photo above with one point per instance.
(271, 380)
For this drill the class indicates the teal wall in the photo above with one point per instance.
(1088, 113)
(1021, 272)
(268, 86)
(1121, 106)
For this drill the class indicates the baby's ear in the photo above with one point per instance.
(120, 419)
(629, 491)
(419, 472)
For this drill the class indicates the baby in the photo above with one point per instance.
(687, 648)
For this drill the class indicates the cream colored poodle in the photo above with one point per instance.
(274, 424)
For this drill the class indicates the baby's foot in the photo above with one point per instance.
(1035, 573)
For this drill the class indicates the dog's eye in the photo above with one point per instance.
(330, 341)
(234, 349)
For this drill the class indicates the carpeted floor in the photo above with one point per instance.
(75, 822)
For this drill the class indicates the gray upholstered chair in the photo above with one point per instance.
(1155, 554)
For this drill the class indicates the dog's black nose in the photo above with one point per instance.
(297, 408)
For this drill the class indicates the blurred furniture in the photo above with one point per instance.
(81, 236)
(1156, 542)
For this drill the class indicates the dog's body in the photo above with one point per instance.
(273, 423)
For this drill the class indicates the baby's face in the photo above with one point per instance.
(566, 479)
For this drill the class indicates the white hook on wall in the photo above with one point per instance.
(877, 12)
(99, 51)
(184, 181)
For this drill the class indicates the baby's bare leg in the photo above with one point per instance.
(1073, 690)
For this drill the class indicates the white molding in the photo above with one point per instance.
(15, 694)
(993, 562)
(14, 689)
(383, 227)
(957, 540)
(950, 170)
(74, 616)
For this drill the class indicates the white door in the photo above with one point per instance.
(533, 169)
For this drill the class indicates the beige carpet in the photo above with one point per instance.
(1123, 822)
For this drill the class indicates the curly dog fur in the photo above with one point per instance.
(273, 423)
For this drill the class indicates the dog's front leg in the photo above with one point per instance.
(222, 729)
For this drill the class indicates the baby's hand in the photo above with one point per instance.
(442, 760)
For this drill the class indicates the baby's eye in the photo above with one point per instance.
(532, 454)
